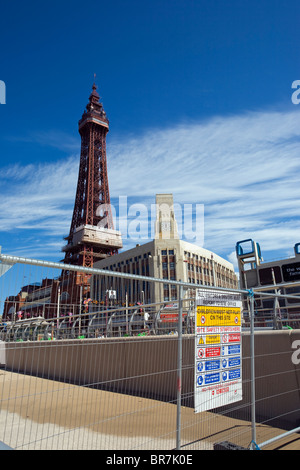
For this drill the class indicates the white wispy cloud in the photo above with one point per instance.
(244, 169)
(38, 196)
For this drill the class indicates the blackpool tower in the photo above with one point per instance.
(92, 236)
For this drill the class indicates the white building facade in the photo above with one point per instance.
(165, 257)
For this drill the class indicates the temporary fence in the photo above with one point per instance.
(81, 371)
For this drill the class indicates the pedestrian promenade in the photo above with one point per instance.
(45, 414)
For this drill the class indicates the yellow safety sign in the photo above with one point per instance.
(218, 316)
(211, 339)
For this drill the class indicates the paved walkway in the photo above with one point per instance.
(45, 414)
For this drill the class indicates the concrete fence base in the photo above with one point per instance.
(148, 367)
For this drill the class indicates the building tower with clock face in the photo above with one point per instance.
(165, 225)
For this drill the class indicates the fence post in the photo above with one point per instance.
(179, 371)
(252, 356)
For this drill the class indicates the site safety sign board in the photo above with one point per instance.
(218, 350)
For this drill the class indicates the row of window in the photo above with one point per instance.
(196, 257)
(166, 252)
(199, 269)
(128, 261)
(197, 281)
(171, 265)
(193, 257)
(170, 294)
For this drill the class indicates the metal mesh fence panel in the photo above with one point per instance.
(84, 372)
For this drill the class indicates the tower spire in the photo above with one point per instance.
(94, 95)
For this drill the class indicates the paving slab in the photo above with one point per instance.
(37, 413)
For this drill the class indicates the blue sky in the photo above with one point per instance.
(198, 94)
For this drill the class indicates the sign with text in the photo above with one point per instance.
(218, 349)
(291, 272)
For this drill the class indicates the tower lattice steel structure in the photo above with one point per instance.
(92, 235)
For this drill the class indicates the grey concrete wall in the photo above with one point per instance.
(147, 367)
(277, 378)
(2, 354)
